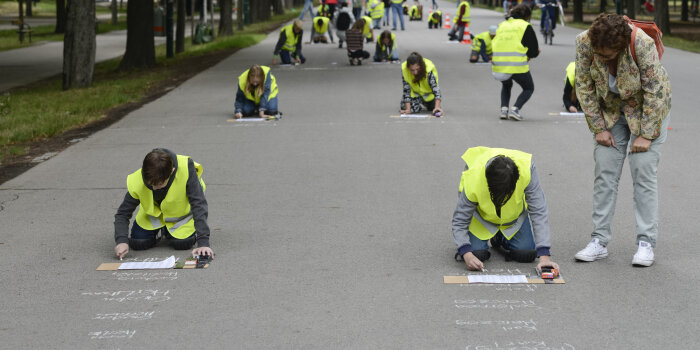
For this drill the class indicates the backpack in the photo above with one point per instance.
(343, 21)
(651, 30)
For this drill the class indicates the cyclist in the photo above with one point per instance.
(551, 7)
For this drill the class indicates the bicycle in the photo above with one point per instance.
(548, 31)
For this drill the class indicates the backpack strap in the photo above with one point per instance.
(632, 49)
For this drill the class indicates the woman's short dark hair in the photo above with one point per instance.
(610, 31)
(501, 176)
(521, 11)
(157, 167)
(413, 59)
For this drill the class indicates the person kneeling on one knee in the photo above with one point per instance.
(499, 193)
(169, 193)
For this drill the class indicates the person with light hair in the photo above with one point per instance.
(257, 93)
(288, 46)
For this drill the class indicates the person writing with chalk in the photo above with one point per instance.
(499, 193)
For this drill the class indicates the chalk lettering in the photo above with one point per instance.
(495, 304)
(529, 326)
(112, 334)
(521, 345)
(153, 295)
(145, 276)
(125, 316)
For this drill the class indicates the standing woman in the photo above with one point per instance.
(257, 91)
(420, 86)
(625, 94)
(513, 47)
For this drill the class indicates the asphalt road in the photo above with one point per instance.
(332, 226)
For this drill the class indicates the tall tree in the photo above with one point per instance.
(578, 11)
(632, 9)
(225, 17)
(239, 15)
(661, 16)
(603, 6)
(140, 46)
(60, 16)
(29, 9)
(115, 12)
(684, 10)
(180, 26)
(79, 44)
(278, 7)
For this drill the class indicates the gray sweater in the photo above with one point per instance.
(195, 195)
(536, 208)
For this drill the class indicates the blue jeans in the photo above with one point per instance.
(138, 232)
(308, 4)
(398, 11)
(523, 239)
(643, 166)
(387, 12)
(377, 23)
(286, 56)
(482, 52)
(553, 12)
(249, 107)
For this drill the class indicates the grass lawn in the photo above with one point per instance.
(43, 110)
(9, 39)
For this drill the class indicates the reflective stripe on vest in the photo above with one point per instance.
(243, 78)
(292, 39)
(474, 185)
(174, 211)
(571, 73)
(324, 25)
(509, 54)
(378, 10)
(396, 1)
(486, 37)
(422, 88)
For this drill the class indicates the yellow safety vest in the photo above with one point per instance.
(571, 73)
(174, 211)
(396, 1)
(509, 54)
(485, 223)
(292, 39)
(413, 12)
(323, 27)
(486, 37)
(323, 9)
(366, 31)
(243, 78)
(384, 48)
(378, 10)
(435, 14)
(466, 17)
(421, 88)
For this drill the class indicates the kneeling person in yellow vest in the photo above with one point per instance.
(321, 27)
(257, 93)
(420, 86)
(169, 193)
(570, 99)
(499, 194)
(482, 45)
(288, 46)
(435, 20)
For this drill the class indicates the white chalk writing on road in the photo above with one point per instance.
(521, 345)
(153, 295)
(146, 315)
(112, 334)
(529, 326)
(145, 276)
(495, 304)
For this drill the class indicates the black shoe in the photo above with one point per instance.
(521, 256)
(482, 255)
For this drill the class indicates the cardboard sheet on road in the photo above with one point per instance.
(529, 279)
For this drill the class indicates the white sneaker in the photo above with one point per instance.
(504, 112)
(644, 255)
(593, 251)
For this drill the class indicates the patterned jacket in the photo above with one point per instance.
(645, 89)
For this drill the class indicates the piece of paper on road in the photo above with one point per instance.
(497, 279)
(168, 263)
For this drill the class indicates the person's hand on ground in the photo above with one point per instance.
(121, 250)
(262, 114)
(546, 262)
(573, 109)
(438, 110)
(203, 251)
(238, 115)
(473, 263)
(274, 61)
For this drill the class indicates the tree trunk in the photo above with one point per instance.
(115, 13)
(684, 10)
(632, 9)
(661, 16)
(140, 46)
(29, 12)
(578, 11)
(60, 16)
(603, 6)
(180, 28)
(225, 20)
(239, 15)
(278, 7)
(79, 44)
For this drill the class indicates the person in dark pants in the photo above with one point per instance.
(356, 52)
(288, 46)
(482, 45)
(169, 193)
(513, 47)
(570, 100)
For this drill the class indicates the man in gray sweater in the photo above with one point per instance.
(499, 193)
(169, 192)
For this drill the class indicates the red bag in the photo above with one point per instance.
(651, 29)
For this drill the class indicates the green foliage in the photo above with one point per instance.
(9, 39)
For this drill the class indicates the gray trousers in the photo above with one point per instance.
(643, 168)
